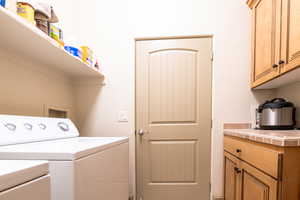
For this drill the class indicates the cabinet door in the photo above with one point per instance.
(290, 51)
(257, 185)
(266, 40)
(231, 178)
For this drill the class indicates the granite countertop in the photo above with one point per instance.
(286, 138)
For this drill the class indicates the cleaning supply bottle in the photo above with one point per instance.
(72, 46)
(2, 3)
(26, 10)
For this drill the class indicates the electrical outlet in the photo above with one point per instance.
(253, 108)
(123, 116)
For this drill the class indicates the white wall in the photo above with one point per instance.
(232, 95)
(113, 26)
(28, 88)
(110, 28)
(290, 93)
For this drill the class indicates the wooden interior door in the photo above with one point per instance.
(173, 118)
(257, 185)
(266, 40)
(231, 177)
(290, 51)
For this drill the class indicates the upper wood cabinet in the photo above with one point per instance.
(290, 50)
(276, 39)
(265, 41)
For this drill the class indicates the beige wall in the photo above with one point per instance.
(28, 88)
(114, 26)
(233, 99)
(291, 93)
(110, 28)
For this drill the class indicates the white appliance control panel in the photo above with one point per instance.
(24, 129)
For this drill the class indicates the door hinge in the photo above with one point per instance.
(211, 124)
(212, 57)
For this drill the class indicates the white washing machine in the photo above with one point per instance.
(21, 179)
(81, 168)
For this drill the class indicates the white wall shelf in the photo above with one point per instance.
(24, 39)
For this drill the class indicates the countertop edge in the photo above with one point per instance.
(265, 139)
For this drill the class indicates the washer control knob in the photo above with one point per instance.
(63, 126)
(28, 126)
(42, 126)
(10, 126)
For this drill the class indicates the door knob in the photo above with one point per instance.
(281, 62)
(141, 132)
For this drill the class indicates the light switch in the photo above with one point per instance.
(123, 116)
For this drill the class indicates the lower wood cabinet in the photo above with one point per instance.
(242, 181)
(231, 178)
(256, 185)
(257, 171)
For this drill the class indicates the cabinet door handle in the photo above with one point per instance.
(275, 66)
(281, 62)
(238, 150)
(237, 170)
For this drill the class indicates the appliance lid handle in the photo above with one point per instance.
(260, 108)
(278, 100)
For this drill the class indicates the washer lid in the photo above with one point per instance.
(63, 149)
(16, 172)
